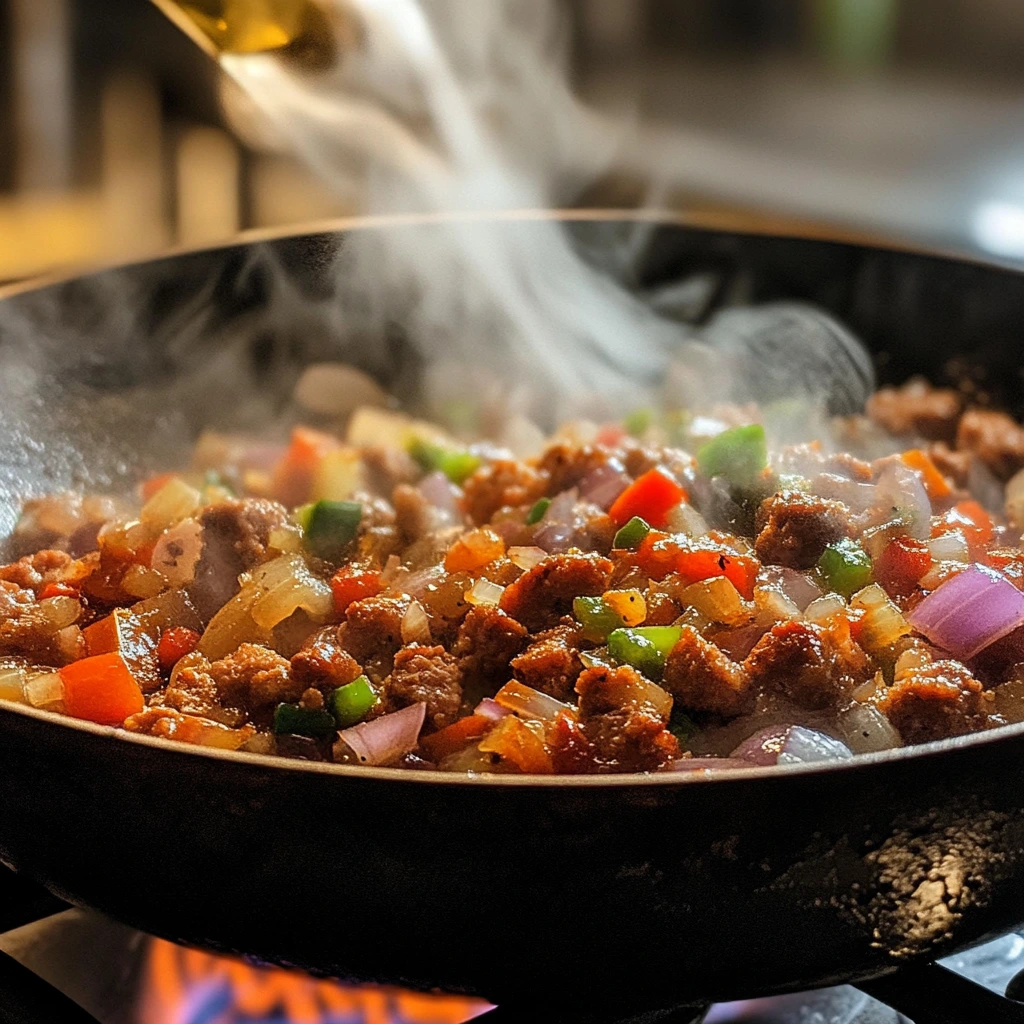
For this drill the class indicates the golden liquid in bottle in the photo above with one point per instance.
(250, 26)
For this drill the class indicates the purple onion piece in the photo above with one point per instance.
(560, 511)
(554, 537)
(790, 744)
(858, 496)
(384, 740)
(489, 708)
(796, 585)
(442, 494)
(603, 485)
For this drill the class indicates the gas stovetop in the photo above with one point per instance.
(120, 976)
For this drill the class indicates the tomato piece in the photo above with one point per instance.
(174, 644)
(293, 475)
(352, 583)
(101, 689)
(650, 497)
(901, 564)
(935, 483)
(437, 746)
(58, 589)
(970, 517)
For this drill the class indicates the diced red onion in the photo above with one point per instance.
(865, 729)
(604, 484)
(554, 537)
(526, 558)
(900, 487)
(530, 703)
(796, 585)
(509, 530)
(415, 625)
(790, 744)
(385, 739)
(707, 764)
(858, 496)
(489, 708)
(561, 508)
(443, 495)
(970, 611)
(684, 518)
(949, 547)
(485, 594)
(823, 608)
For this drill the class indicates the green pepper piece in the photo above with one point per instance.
(646, 648)
(632, 534)
(538, 512)
(330, 526)
(296, 720)
(596, 618)
(846, 567)
(683, 727)
(740, 455)
(351, 703)
(456, 464)
(637, 422)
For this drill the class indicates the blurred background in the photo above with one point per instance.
(884, 118)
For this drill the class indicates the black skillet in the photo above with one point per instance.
(607, 894)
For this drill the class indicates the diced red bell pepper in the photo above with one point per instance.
(101, 689)
(739, 570)
(611, 435)
(174, 644)
(516, 742)
(293, 475)
(437, 746)
(57, 589)
(650, 497)
(352, 583)
(901, 564)
(970, 517)
(935, 483)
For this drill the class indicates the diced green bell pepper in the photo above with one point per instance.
(632, 534)
(456, 464)
(330, 526)
(351, 703)
(740, 455)
(846, 567)
(638, 421)
(538, 512)
(683, 727)
(295, 720)
(596, 618)
(646, 648)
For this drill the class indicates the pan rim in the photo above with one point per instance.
(860, 762)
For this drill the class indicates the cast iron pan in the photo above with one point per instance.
(650, 891)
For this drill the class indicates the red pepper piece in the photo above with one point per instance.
(650, 497)
(101, 689)
(58, 589)
(899, 567)
(352, 583)
(174, 644)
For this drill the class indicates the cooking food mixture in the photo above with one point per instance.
(658, 595)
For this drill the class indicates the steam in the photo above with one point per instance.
(460, 106)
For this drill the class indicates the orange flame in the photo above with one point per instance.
(187, 986)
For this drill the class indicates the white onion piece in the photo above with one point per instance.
(415, 625)
(177, 552)
(865, 730)
(298, 589)
(796, 585)
(949, 547)
(12, 683)
(526, 558)
(776, 604)
(172, 503)
(527, 702)
(790, 744)
(901, 488)
(485, 594)
(708, 764)
(443, 495)
(45, 691)
(859, 497)
(488, 708)
(384, 740)
(686, 519)
(603, 485)
(824, 608)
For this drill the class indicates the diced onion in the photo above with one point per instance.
(12, 683)
(865, 730)
(775, 604)
(172, 503)
(561, 508)
(939, 573)
(443, 495)
(858, 496)
(883, 622)
(791, 744)
(717, 599)
(527, 558)
(488, 708)
(415, 625)
(824, 608)
(286, 539)
(142, 582)
(299, 589)
(177, 551)
(902, 488)
(485, 594)
(603, 485)
(530, 703)
(685, 519)
(970, 611)
(384, 740)
(338, 476)
(949, 547)
(45, 690)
